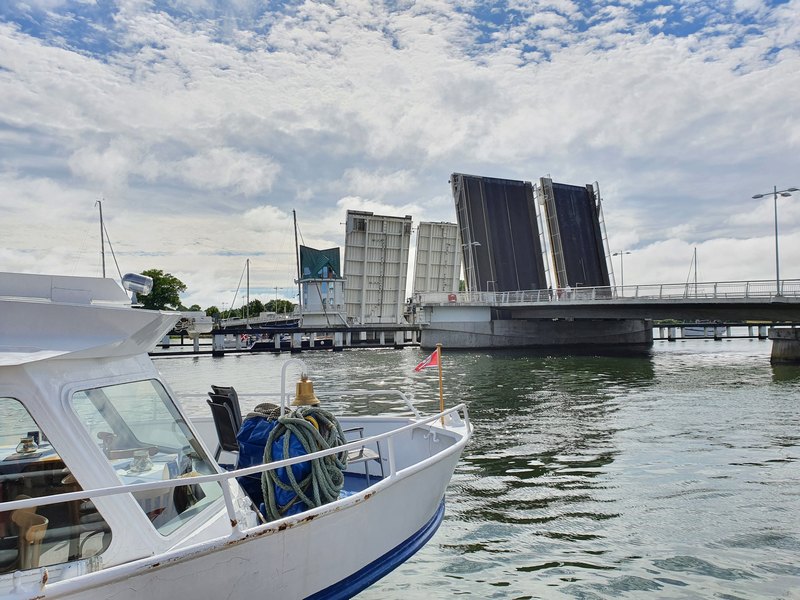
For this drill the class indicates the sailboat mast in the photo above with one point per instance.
(247, 306)
(297, 252)
(102, 240)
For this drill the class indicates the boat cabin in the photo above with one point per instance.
(69, 423)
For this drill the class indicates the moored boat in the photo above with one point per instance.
(108, 488)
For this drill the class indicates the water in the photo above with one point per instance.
(669, 476)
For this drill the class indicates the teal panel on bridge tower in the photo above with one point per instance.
(319, 264)
(499, 233)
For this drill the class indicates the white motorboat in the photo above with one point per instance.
(109, 490)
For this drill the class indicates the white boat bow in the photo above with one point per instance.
(121, 496)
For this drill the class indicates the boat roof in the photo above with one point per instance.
(54, 316)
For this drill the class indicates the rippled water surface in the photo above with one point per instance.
(674, 475)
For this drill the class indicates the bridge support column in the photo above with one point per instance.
(297, 343)
(785, 345)
(762, 332)
(671, 334)
(218, 345)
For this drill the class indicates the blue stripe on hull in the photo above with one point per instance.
(365, 577)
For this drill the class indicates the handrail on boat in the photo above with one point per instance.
(225, 476)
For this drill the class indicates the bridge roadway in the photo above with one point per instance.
(726, 301)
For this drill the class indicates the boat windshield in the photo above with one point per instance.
(31, 467)
(145, 439)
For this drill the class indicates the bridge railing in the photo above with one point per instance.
(758, 289)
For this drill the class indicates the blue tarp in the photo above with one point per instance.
(252, 438)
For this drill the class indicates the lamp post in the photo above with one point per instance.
(621, 266)
(785, 193)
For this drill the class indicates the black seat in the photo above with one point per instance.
(225, 423)
(233, 400)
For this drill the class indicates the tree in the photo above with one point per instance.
(213, 312)
(279, 306)
(165, 293)
(255, 308)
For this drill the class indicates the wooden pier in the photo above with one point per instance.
(238, 340)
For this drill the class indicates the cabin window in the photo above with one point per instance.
(145, 439)
(31, 467)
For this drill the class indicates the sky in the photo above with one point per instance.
(202, 124)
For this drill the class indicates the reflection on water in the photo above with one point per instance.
(670, 475)
(790, 373)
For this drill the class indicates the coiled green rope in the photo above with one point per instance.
(326, 478)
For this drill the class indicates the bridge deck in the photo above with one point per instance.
(733, 300)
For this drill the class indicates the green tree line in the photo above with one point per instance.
(166, 295)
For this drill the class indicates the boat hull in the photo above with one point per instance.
(309, 556)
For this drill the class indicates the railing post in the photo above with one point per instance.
(392, 461)
(226, 494)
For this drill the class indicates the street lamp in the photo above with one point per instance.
(785, 193)
(621, 266)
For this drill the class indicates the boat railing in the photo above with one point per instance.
(457, 416)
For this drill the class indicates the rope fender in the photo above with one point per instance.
(316, 429)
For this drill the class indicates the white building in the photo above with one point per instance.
(321, 287)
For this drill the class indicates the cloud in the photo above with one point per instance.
(205, 125)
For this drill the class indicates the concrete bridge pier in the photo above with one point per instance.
(785, 345)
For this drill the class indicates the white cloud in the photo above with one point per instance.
(204, 132)
(227, 168)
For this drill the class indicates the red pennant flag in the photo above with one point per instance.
(431, 361)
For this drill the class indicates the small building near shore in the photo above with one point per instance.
(321, 288)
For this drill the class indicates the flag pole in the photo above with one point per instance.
(441, 394)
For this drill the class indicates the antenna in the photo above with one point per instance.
(102, 241)
(297, 254)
